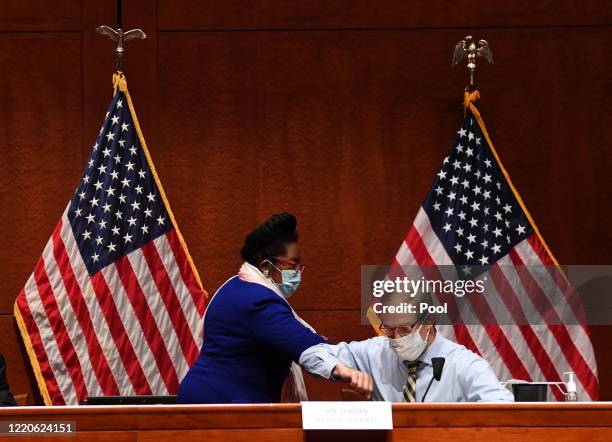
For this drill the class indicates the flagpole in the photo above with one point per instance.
(120, 31)
(119, 36)
(119, 15)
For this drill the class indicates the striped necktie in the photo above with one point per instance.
(409, 394)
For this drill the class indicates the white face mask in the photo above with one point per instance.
(409, 347)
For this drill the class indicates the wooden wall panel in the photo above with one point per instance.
(323, 151)
(40, 160)
(182, 15)
(600, 336)
(40, 15)
(349, 139)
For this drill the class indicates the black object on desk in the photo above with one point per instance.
(130, 400)
(530, 392)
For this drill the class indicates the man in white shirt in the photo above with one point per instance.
(400, 363)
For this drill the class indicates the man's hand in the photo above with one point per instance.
(360, 381)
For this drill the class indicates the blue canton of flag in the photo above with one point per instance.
(117, 207)
(471, 206)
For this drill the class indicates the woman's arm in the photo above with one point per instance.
(272, 323)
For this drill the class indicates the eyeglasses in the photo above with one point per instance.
(293, 264)
(401, 331)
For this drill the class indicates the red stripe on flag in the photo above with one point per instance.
(573, 299)
(540, 250)
(65, 346)
(96, 355)
(171, 301)
(566, 343)
(422, 257)
(571, 295)
(53, 389)
(556, 274)
(498, 337)
(540, 354)
(395, 270)
(124, 345)
(199, 298)
(149, 327)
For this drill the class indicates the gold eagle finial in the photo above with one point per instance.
(467, 47)
(120, 37)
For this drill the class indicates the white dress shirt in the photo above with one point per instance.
(466, 377)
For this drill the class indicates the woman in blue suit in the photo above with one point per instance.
(252, 334)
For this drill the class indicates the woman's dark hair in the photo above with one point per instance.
(269, 239)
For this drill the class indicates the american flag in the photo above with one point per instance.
(114, 305)
(473, 216)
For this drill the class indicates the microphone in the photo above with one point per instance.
(438, 365)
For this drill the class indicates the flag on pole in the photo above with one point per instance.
(114, 305)
(474, 216)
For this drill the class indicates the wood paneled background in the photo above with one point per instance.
(338, 111)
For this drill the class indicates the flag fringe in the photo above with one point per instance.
(374, 320)
(40, 380)
(469, 99)
(120, 83)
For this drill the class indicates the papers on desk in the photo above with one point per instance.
(346, 416)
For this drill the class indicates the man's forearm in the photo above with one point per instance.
(319, 361)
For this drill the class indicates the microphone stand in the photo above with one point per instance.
(438, 365)
(427, 390)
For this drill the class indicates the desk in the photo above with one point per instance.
(271, 422)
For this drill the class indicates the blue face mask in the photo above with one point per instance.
(291, 281)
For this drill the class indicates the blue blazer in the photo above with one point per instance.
(250, 339)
